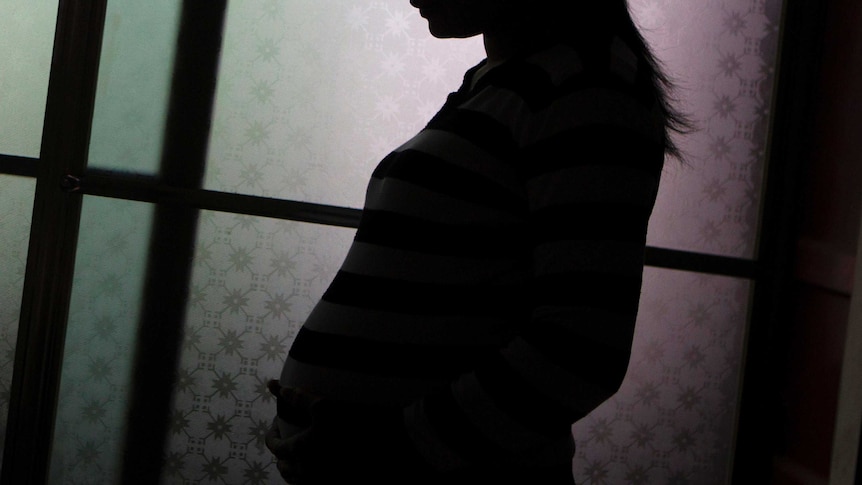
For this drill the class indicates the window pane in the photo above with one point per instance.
(16, 207)
(313, 93)
(134, 84)
(722, 55)
(100, 341)
(26, 43)
(255, 281)
(673, 420)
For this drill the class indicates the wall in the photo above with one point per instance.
(826, 246)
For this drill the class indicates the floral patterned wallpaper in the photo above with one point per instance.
(16, 206)
(311, 94)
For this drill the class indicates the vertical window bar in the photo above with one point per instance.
(172, 242)
(53, 237)
(759, 407)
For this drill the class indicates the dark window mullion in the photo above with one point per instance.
(53, 238)
(760, 406)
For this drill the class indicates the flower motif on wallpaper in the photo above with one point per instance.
(215, 468)
(730, 64)
(251, 176)
(185, 381)
(88, 452)
(278, 305)
(230, 342)
(240, 259)
(642, 434)
(262, 91)
(219, 427)
(734, 22)
(637, 475)
(267, 50)
(94, 411)
(257, 473)
(256, 133)
(724, 106)
(225, 385)
(235, 301)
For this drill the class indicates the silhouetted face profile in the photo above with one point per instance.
(464, 18)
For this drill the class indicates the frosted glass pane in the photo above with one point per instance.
(109, 272)
(313, 93)
(16, 208)
(26, 44)
(255, 281)
(673, 420)
(134, 84)
(722, 54)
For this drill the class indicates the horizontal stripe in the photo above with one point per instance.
(593, 184)
(597, 106)
(609, 292)
(483, 131)
(403, 232)
(592, 256)
(413, 298)
(595, 145)
(386, 262)
(422, 203)
(590, 221)
(561, 62)
(391, 327)
(400, 360)
(449, 148)
(346, 384)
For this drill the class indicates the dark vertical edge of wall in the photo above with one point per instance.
(759, 433)
(172, 241)
(53, 239)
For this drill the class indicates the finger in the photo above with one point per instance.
(273, 440)
(273, 386)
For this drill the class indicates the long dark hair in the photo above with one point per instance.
(597, 18)
(675, 120)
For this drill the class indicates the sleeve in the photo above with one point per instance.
(590, 163)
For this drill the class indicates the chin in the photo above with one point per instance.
(446, 32)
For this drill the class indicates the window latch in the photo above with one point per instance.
(70, 183)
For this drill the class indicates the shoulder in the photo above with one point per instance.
(566, 86)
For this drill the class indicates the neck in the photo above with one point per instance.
(505, 43)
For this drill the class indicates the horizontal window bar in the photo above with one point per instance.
(150, 189)
(15, 165)
(702, 263)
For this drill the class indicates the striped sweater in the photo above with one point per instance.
(493, 283)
